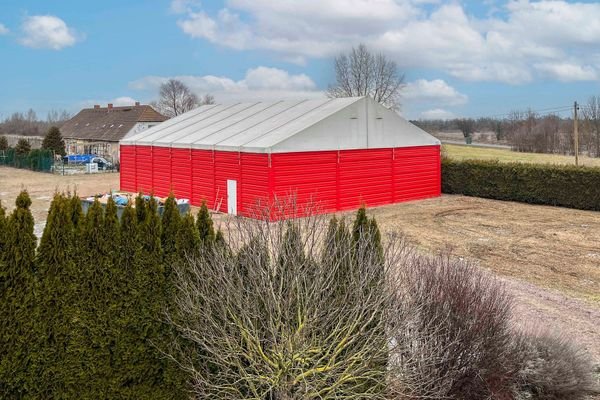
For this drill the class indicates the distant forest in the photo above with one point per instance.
(29, 124)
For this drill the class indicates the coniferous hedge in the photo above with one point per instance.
(556, 185)
(83, 314)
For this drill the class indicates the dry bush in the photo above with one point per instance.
(552, 368)
(315, 309)
(278, 315)
(457, 344)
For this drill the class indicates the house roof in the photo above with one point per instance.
(108, 123)
(286, 126)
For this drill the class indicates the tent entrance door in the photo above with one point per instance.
(231, 197)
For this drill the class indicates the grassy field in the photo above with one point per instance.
(504, 155)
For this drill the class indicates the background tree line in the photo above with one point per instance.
(29, 124)
(528, 131)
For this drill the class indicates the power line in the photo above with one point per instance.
(546, 111)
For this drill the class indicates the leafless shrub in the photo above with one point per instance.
(308, 309)
(552, 368)
(455, 338)
(279, 315)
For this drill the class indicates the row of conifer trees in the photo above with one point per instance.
(82, 313)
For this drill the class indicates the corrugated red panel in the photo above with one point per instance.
(161, 171)
(309, 177)
(417, 173)
(203, 178)
(127, 168)
(347, 179)
(143, 168)
(227, 166)
(253, 187)
(326, 181)
(181, 173)
(365, 178)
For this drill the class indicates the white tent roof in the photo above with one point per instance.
(286, 126)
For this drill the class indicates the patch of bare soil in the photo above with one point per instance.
(545, 309)
(42, 186)
(552, 247)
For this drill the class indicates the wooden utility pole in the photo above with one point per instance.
(576, 132)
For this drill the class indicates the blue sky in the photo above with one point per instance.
(460, 58)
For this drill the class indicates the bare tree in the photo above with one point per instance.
(175, 98)
(362, 73)
(591, 113)
(208, 99)
(466, 126)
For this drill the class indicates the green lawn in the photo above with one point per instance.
(504, 155)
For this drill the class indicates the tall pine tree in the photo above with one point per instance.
(140, 208)
(128, 348)
(188, 238)
(17, 302)
(57, 303)
(205, 226)
(54, 141)
(3, 229)
(170, 226)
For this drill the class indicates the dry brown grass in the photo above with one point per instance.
(461, 152)
(551, 247)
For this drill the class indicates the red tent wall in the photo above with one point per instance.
(333, 180)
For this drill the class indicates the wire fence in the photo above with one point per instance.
(44, 160)
(36, 160)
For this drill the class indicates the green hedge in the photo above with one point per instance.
(556, 185)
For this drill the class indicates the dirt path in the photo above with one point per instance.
(546, 309)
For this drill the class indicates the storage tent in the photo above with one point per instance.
(336, 154)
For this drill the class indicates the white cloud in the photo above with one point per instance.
(566, 72)
(436, 91)
(181, 6)
(261, 83)
(47, 32)
(525, 41)
(437, 113)
(3, 30)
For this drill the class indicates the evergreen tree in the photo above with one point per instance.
(17, 301)
(153, 372)
(221, 244)
(76, 211)
(171, 221)
(188, 238)
(3, 230)
(140, 208)
(3, 143)
(291, 252)
(361, 224)
(375, 241)
(102, 301)
(205, 226)
(23, 147)
(128, 347)
(57, 304)
(54, 141)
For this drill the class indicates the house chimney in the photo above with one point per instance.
(109, 106)
(96, 105)
(137, 103)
